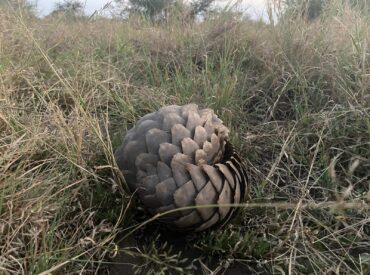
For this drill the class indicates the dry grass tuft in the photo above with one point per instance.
(296, 96)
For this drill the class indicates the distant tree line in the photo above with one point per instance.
(162, 10)
(312, 9)
(69, 8)
(155, 10)
(158, 10)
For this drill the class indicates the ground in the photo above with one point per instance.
(295, 95)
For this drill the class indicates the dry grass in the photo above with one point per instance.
(296, 96)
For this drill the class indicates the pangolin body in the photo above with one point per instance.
(180, 157)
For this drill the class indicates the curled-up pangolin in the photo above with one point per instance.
(180, 157)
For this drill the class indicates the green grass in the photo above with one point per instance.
(295, 96)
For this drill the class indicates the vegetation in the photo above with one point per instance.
(163, 10)
(69, 8)
(295, 95)
(312, 9)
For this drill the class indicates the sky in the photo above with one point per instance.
(255, 8)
